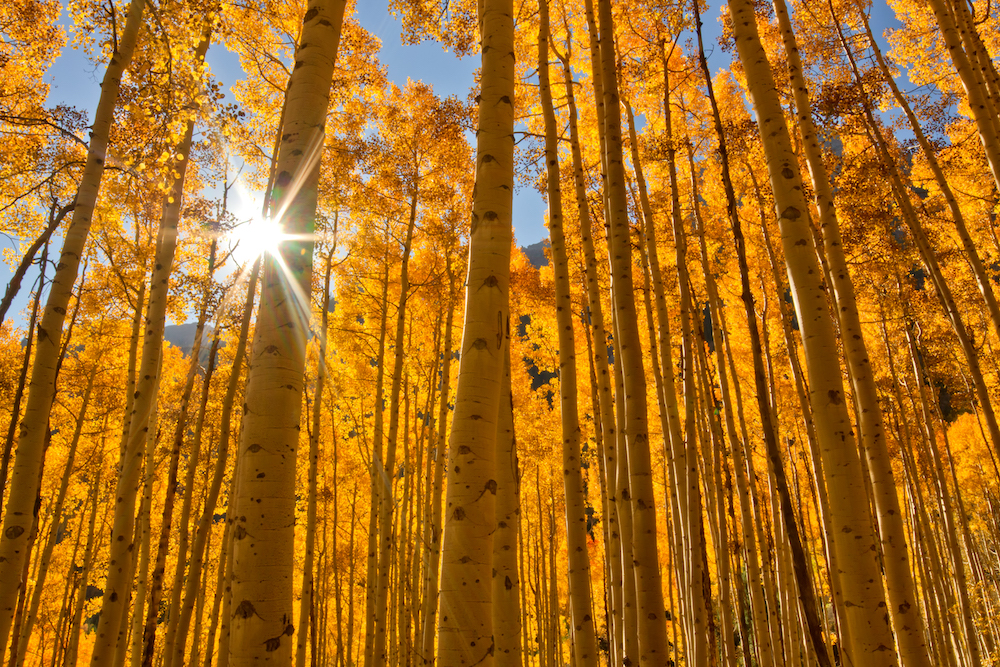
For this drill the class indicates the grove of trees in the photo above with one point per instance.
(744, 413)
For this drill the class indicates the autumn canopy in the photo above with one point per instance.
(738, 408)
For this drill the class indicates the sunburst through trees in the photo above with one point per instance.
(278, 385)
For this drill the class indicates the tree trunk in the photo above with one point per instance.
(30, 450)
(57, 510)
(307, 594)
(263, 544)
(386, 472)
(649, 592)
(204, 528)
(584, 635)
(506, 582)
(432, 555)
(854, 539)
(465, 634)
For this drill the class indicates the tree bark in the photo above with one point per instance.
(465, 634)
(30, 449)
(263, 540)
(854, 540)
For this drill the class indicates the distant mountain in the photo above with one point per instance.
(182, 336)
(536, 253)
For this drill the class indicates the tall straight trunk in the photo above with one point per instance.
(155, 584)
(204, 527)
(584, 635)
(66, 608)
(31, 437)
(781, 492)
(506, 582)
(721, 337)
(118, 582)
(372, 571)
(685, 445)
(15, 409)
(767, 648)
(122, 650)
(89, 552)
(432, 554)
(144, 535)
(819, 478)
(466, 628)
(307, 595)
(968, 244)
(184, 520)
(679, 485)
(711, 439)
(855, 542)
(605, 421)
(386, 471)
(220, 585)
(975, 88)
(972, 634)
(979, 55)
(942, 290)
(263, 544)
(195, 658)
(133, 360)
(941, 592)
(930, 261)
(27, 570)
(649, 590)
(628, 640)
(53, 536)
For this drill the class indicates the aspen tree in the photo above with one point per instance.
(70, 659)
(262, 555)
(506, 582)
(155, 584)
(203, 531)
(969, 632)
(30, 450)
(863, 593)
(465, 634)
(930, 562)
(433, 551)
(65, 609)
(119, 576)
(722, 336)
(184, 520)
(307, 595)
(584, 634)
(649, 592)
(611, 404)
(907, 622)
(975, 89)
(143, 532)
(684, 443)
(973, 254)
(929, 258)
(226, 617)
(979, 55)
(599, 356)
(57, 511)
(386, 472)
(780, 491)
(372, 571)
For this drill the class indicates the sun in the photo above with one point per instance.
(256, 237)
(256, 234)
